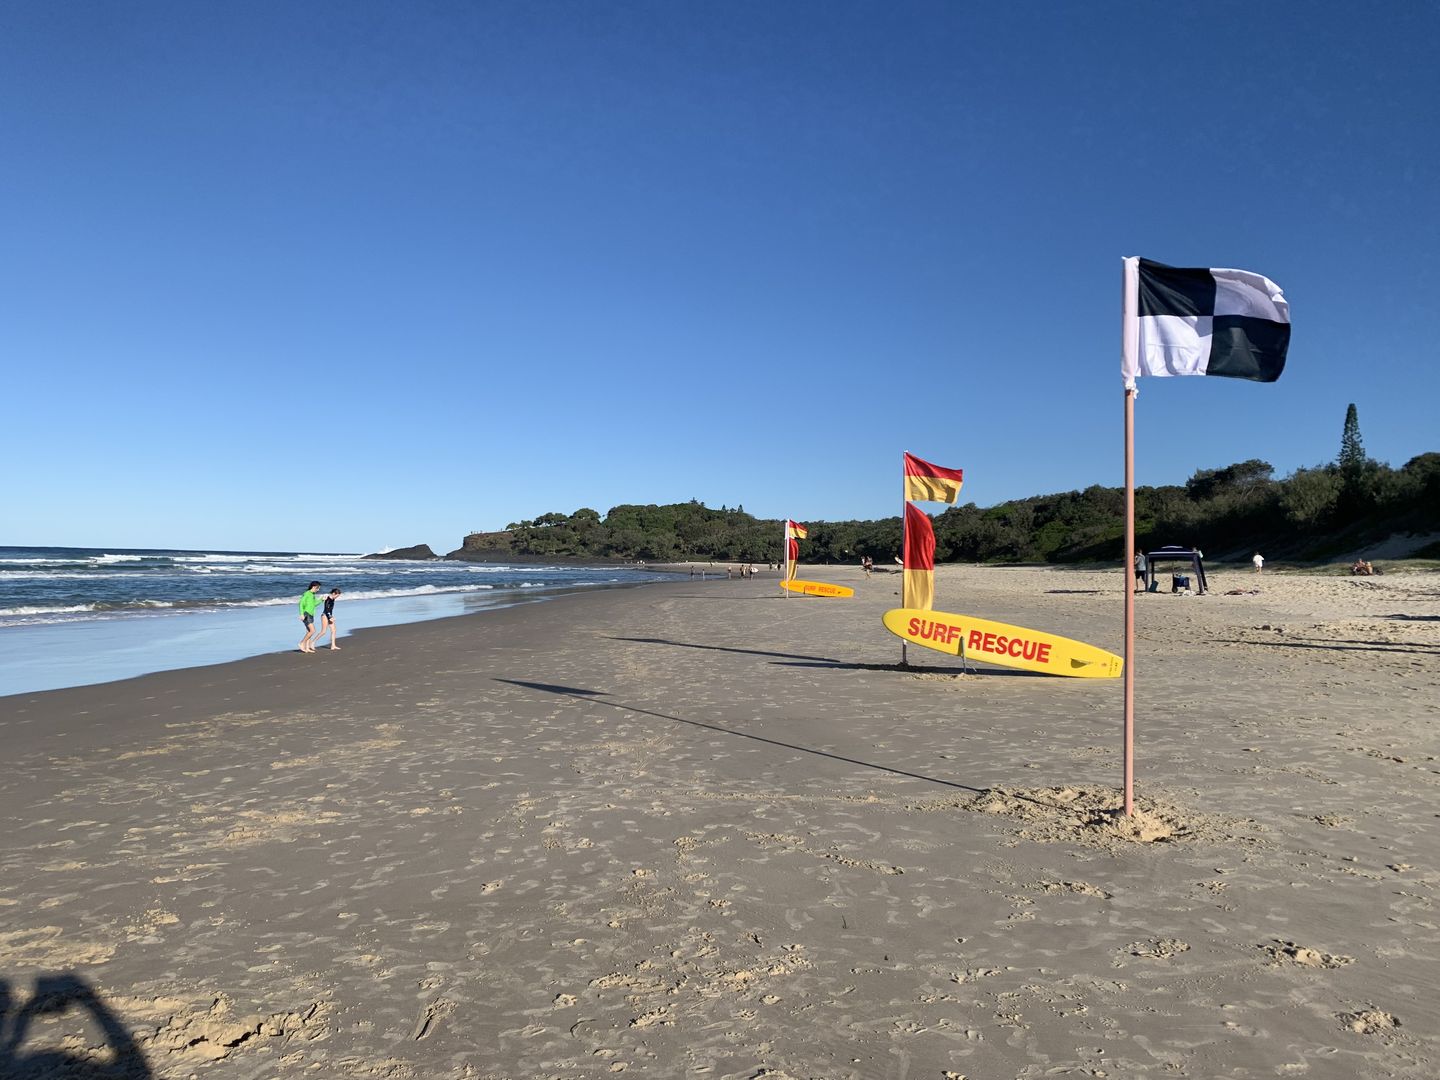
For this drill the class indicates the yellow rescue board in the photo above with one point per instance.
(1001, 643)
(816, 588)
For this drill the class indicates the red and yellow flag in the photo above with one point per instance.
(931, 483)
(794, 532)
(919, 568)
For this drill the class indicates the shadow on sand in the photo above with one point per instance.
(594, 697)
(725, 599)
(830, 662)
(1341, 645)
(724, 648)
(57, 996)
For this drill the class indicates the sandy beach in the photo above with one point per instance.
(701, 829)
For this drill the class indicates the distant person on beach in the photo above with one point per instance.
(1259, 561)
(1141, 566)
(307, 615)
(867, 564)
(327, 619)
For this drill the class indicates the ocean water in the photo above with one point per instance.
(74, 616)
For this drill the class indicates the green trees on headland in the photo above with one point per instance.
(673, 533)
(1314, 513)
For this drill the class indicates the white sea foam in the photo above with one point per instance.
(260, 556)
(63, 575)
(370, 594)
(369, 569)
(211, 558)
(47, 609)
(419, 590)
(31, 613)
(287, 571)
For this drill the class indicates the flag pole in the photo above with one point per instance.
(785, 556)
(904, 556)
(1128, 578)
(1129, 354)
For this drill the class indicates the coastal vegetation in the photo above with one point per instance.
(1313, 514)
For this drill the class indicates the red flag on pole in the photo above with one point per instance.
(919, 591)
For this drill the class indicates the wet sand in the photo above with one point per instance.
(699, 829)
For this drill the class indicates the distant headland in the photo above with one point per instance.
(419, 551)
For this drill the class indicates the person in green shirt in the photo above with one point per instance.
(307, 615)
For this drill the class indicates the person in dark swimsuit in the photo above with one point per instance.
(327, 620)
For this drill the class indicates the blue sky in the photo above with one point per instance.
(338, 276)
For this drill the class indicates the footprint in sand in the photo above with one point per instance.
(1370, 1021)
(1287, 952)
(429, 1018)
(1157, 948)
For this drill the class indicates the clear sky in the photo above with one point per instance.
(336, 276)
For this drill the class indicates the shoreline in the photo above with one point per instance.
(89, 652)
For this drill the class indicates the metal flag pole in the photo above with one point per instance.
(785, 556)
(1129, 347)
(904, 556)
(1127, 577)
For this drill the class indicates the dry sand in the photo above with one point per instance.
(698, 829)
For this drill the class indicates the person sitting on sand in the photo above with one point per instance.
(307, 615)
(327, 619)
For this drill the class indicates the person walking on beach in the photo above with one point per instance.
(1259, 561)
(307, 615)
(1140, 567)
(327, 619)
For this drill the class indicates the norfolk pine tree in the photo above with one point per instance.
(1352, 450)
